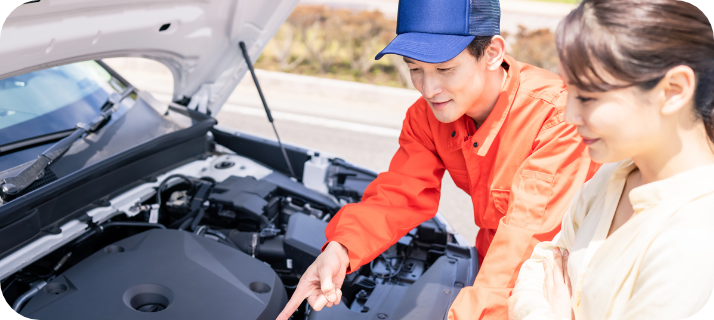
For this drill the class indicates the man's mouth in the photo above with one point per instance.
(440, 105)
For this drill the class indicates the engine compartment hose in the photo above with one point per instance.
(198, 218)
(179, 224)
(25, 297)
(163, 184)
(200, 231)
(248, 242)
(189, 219)
(222, 237)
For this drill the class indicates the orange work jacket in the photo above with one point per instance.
(521, 168)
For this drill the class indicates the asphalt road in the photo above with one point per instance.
(368, 150)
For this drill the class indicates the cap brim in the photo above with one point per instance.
(427, 47)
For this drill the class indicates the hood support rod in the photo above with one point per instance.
(265, 105)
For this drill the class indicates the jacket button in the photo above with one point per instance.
(475, 144)
(453, 134)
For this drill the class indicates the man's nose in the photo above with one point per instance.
(430, 87)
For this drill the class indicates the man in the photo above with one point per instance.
(495, 124)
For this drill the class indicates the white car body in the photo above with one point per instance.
(198, 40)
(200, 45)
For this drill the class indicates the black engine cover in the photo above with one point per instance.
(243, 194)
(162, 274)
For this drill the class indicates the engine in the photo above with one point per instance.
(226, 246)
(165, 274)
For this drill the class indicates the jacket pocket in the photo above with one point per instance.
(531, 200)
(500, 199)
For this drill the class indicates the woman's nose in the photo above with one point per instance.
(572, 115)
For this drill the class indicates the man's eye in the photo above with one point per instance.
(414, 69)
(446, 69)
(584, 99)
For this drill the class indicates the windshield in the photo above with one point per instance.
(52, 100)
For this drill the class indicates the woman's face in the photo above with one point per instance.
(617, 124)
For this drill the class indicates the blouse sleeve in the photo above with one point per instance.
(527, 301)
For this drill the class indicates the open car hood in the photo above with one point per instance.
(196, 39)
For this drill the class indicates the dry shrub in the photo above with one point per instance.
(284, 48)
(320, 32)
(334, 42)
(366, 33)
(341, 43)
(536, 48)
(331, 36)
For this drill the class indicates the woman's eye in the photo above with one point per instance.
(584, 99)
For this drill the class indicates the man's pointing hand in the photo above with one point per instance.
(322, 282)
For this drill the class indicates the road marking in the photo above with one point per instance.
(316, 121)
(303, 119)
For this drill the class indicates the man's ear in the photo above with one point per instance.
(678, 87)
(495, 53)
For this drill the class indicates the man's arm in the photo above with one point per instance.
(540, 193)
(398, 200)
(393, 204)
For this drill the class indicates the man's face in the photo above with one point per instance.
(451, 88)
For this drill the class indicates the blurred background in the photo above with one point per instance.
(327, 92)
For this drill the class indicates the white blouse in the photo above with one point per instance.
(658, 265)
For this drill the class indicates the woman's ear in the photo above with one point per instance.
(495, 53)
(678, 87)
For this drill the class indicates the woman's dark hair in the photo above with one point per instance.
(637, 42)
(478, 46)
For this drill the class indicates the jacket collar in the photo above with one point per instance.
(492, 126)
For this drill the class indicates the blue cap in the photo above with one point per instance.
(436, 31)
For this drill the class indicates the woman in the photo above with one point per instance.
(638, 239)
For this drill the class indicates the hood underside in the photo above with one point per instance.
(196, 39)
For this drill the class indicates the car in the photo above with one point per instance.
(114, 205)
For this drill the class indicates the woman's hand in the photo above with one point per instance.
(557, 289)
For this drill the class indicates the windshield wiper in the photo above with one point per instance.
(34, 141)
(23, 179)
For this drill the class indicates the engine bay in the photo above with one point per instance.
(230, 238)
(168, 274)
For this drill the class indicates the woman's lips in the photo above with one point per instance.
(588, 141)
(440, 105)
